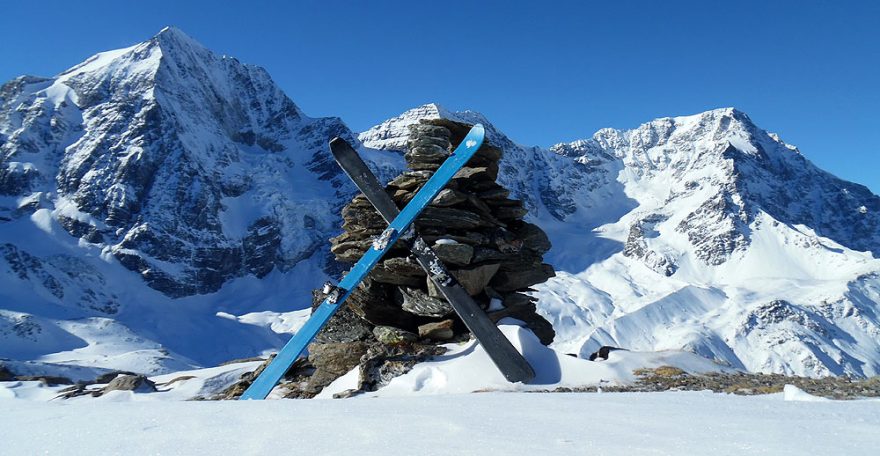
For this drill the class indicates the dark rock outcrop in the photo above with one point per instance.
(137, 383)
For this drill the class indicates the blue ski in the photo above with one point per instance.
(263, 384)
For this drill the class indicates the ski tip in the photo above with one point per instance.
(338, 145)
(337, 141)
(474, 138)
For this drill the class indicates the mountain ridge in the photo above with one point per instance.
(162, 182)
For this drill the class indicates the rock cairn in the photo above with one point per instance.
(397, 317)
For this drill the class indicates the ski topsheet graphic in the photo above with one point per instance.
(270, 376)
(509, 361)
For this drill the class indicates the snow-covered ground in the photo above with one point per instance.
(455, 404)
(490, 423)
(465, 368)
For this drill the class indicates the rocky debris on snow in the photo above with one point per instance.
(109, 376)
(238, 388)
(6, 375)
(384, 362)
(670, 378)
(174, 380)
(138, 383)
(120, 382)
(602, 353)
(397, 316)
(636, 246)
(45, 379)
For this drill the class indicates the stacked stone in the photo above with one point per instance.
(397, 316)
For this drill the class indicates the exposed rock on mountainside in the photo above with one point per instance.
(175, 159)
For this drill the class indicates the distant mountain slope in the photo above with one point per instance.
(701, 232)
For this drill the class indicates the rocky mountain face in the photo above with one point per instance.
(165, 165)
(178, 161)
(161, 206)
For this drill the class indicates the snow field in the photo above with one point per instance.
(671, 423)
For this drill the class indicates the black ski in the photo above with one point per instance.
(508, 360)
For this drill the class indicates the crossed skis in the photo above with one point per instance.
(511, 364)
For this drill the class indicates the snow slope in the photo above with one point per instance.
(609, 424)
(430, 411)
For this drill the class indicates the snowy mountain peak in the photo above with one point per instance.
(163, 155)
(144, 57)
(173, 36)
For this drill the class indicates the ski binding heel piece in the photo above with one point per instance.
(381, 242)
(332, 292)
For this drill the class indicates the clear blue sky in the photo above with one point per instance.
(545, 72)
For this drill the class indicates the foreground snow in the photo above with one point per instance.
(427, 411)
(464, 368)
(491, 423)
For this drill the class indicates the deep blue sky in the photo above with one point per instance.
(544, 74)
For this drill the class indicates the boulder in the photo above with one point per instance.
(421, 130)
(6, 375)
(468, 174)
(602, 353)
(136, 383)
(375, 303)
(399, 271)
(418, 302)
(454, 253)
(474, 280)
(427, 153)
(441, 330)
(389, 335)
(336, 358)
(410, 180)
(109, 376)
(533, 238)
(330, 361)
(449, 197)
